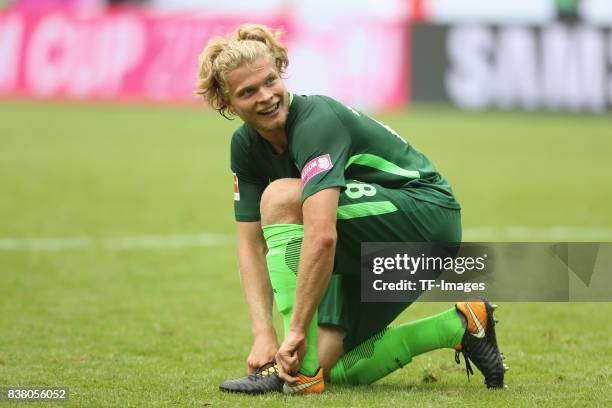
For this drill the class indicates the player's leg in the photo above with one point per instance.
(375, 350)
(281, 219)
(394, 347)
(330, 347)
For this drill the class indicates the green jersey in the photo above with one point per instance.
(328, 144)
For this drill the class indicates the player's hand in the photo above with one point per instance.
(263, 351)
(290, 356)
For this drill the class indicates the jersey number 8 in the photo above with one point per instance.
(355, 191)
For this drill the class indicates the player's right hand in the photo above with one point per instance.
(263, 351)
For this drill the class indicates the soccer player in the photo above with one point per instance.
(313, 179)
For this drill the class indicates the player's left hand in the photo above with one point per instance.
(290, 356)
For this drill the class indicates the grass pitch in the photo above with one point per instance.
(93, 299)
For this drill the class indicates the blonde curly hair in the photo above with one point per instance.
(222, 55)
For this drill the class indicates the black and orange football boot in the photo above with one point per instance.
(479, 343)
(306, 384)
(264, 380)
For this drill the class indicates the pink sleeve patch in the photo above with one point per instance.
(316, 166)
(236, 189)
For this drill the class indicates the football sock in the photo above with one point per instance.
(394, 347)
(284, 246)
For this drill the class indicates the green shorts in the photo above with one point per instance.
(387, 215)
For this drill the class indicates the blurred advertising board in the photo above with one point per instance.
(151, 55)
(558, 66)
(504, 12)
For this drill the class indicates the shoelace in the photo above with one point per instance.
(264, 371)
(468, 365)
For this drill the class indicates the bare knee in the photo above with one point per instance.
(281, 202)
(329, 346)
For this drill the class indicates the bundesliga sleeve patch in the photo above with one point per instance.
(236, 189)
(316, 166)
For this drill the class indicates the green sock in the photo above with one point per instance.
(395, 347)
(284, 246)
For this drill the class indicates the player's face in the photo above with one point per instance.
(258, 96)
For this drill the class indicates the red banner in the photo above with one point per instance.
(135, 54)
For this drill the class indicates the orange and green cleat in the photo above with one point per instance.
(479, 343)
(306, 384)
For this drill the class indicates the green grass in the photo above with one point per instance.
(163, 327)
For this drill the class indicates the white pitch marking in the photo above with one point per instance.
(536, 234)
(178, 241)
(117, 243)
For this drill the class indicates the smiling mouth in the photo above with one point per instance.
(270, 111)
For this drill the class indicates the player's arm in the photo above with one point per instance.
(317, 258)
(257, 292)
(316, 264)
